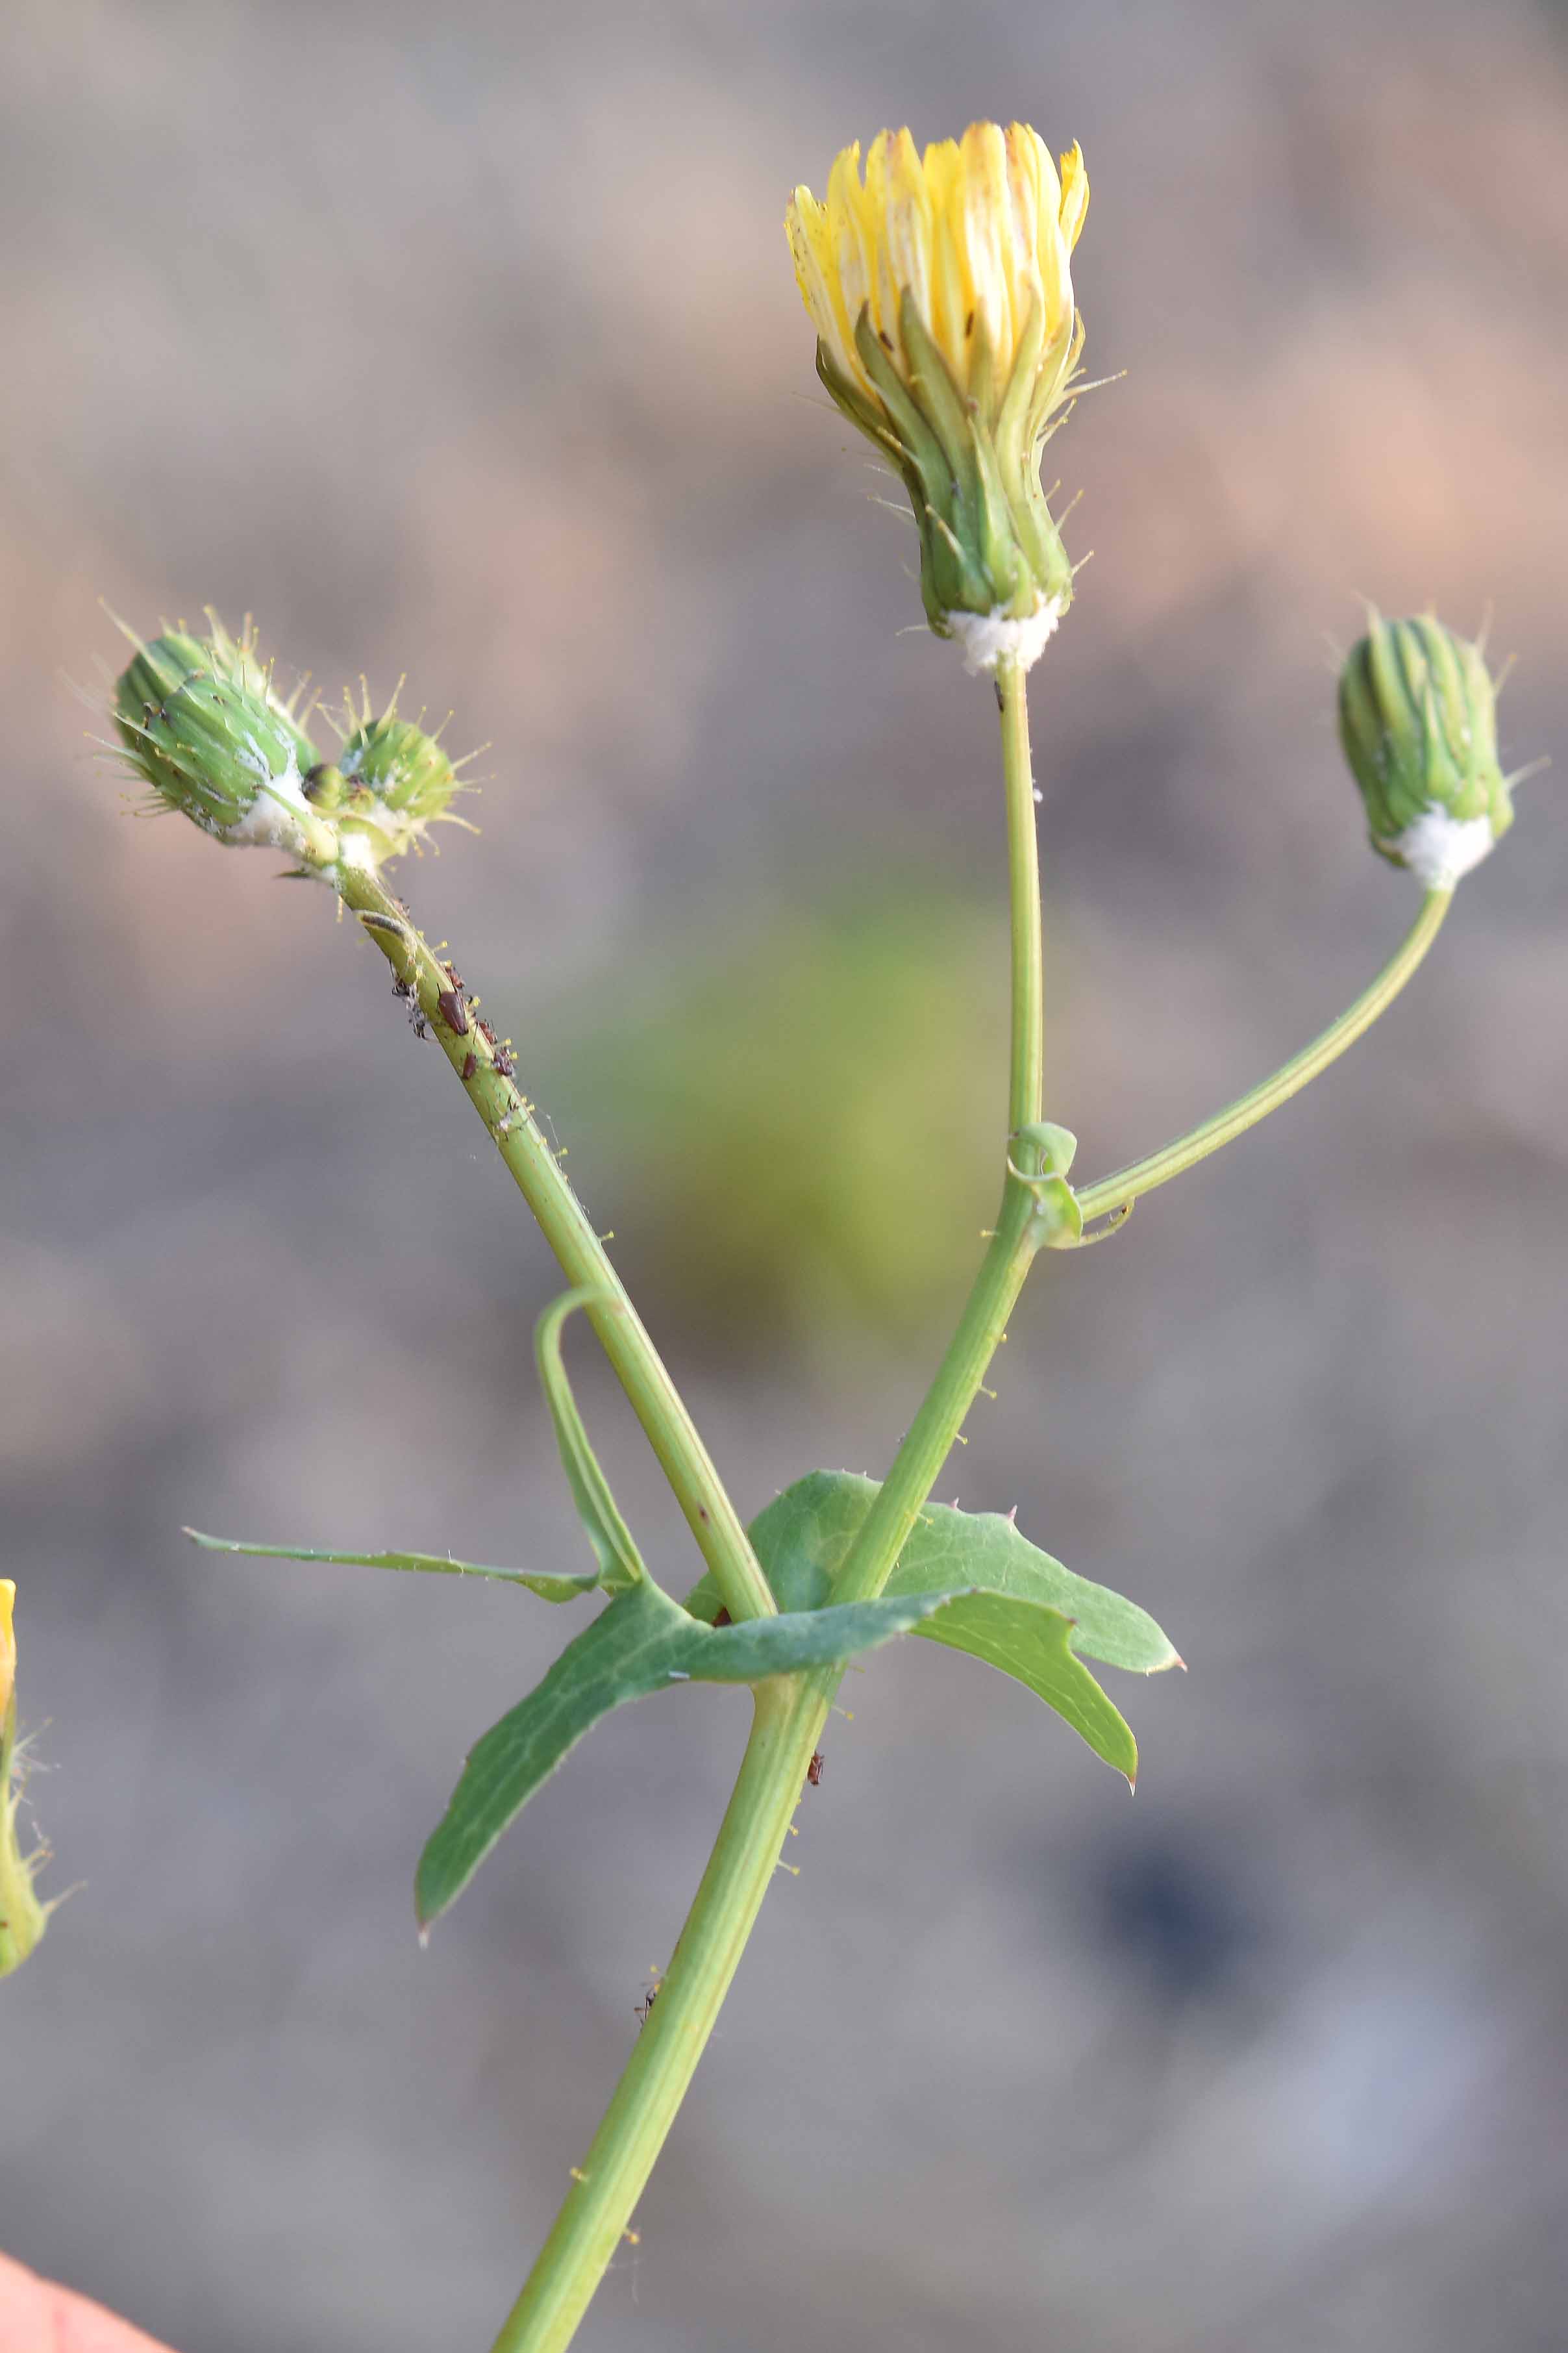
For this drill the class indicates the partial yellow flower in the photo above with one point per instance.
(941, 289)
(7, 1644)
(979, 230)
(22, 1917)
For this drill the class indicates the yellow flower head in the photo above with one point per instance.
(979, 231)
(22, 1917)
(941, 289)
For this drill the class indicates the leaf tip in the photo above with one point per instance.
(426, 1912)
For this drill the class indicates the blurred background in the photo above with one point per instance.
(465, 343)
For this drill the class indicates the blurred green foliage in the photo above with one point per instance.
(793, 1131)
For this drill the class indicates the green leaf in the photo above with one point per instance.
(643, 1642)
(1013, 1605)
(1033, 1643)
(620, 1563)
(803, 1535)
(564, 1587)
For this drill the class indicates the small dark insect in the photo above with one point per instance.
(454, 976)
(487, 1033)
(640, 2010)
(504, 1063)
(814, 1771)
(404, 989)
(454, 1007)
(469, 1066)
(723, 1618)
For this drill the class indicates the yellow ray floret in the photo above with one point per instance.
(23, 1918)
(977, 232)
(8, 1645)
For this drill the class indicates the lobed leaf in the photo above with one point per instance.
(804, 1533)
(643, 1642)
(1010, 1604)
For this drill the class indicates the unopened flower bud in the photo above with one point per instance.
(23, 1918)
(396, 780)
(941, 289)
(204, 724)
(1418, 724)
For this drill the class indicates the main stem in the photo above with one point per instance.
(790, 1711)
(594, 2218)
(1119, 1191)
(485, 1070)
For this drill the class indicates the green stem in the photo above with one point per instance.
(791, 1711)
(592, 2221)
(485, 1073)
(929, 1441)
(1026, 1064)
(1119, 1191)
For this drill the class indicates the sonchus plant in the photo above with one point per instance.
(942, 292)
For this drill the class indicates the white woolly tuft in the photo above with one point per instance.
(1438, 848)
(986, 639)
(274, 817)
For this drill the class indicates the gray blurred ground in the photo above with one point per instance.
(463, 342)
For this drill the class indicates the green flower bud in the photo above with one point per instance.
(203, 724)
(23, 1918)
(396, 780)
(402, 766)
(1418, 724)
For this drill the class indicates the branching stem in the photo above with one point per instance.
(1128, 1185)
(791, 1711)
(484, 1068)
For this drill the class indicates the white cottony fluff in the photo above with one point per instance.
(1438, 848)
(274, 817)
(987, 638)
(280, 817)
